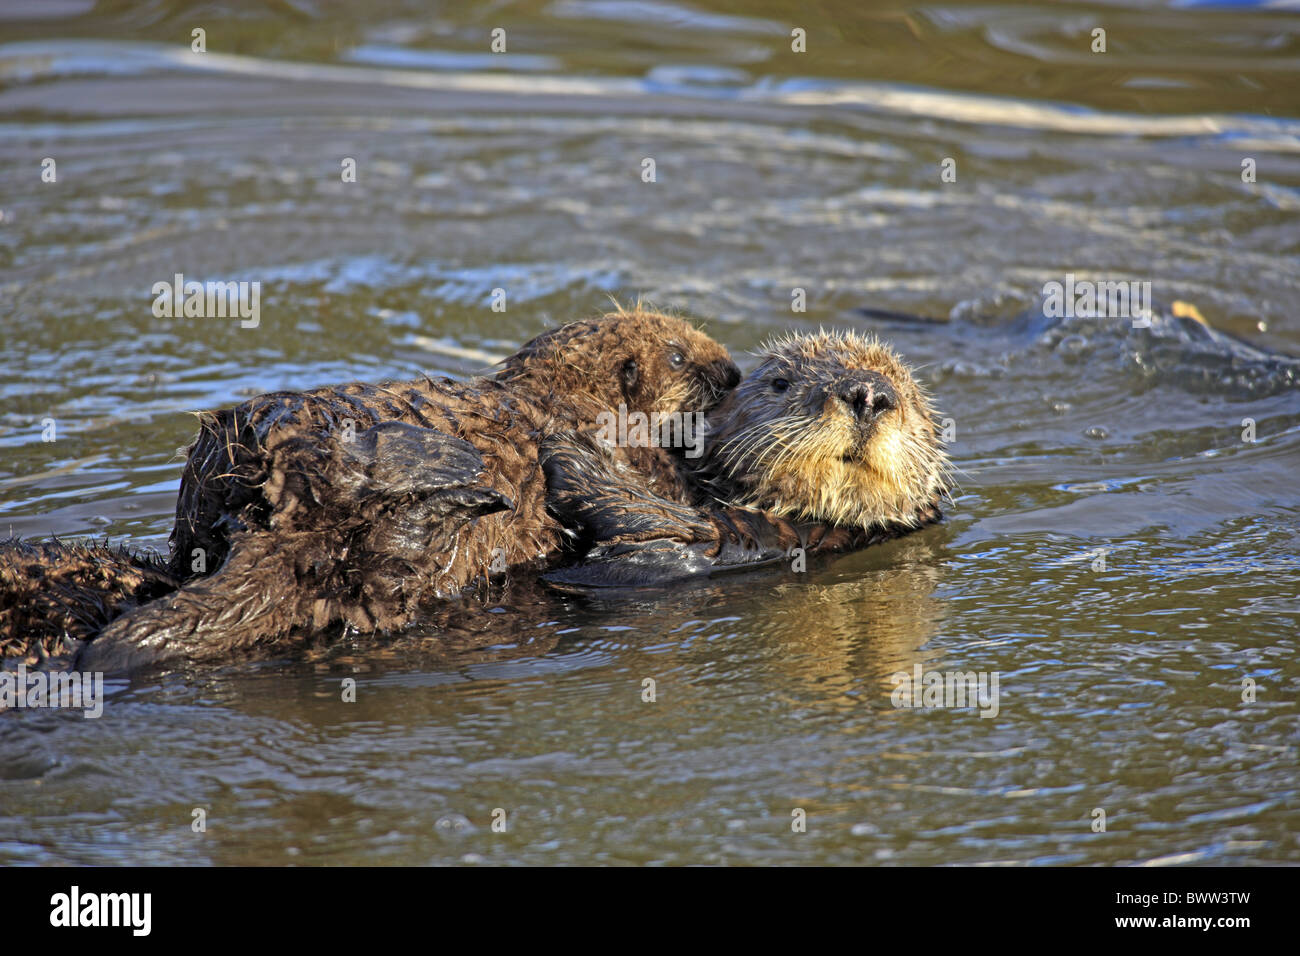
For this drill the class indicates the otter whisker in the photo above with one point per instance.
(776, 439)
(739, 436)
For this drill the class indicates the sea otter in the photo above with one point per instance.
(355, 503)
(831, 435)
(55, 594)
(828, 445)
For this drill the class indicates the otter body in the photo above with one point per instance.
(829, 445)
(285, 462)
(356, 503)
(55, 596)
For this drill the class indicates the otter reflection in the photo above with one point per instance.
(851, 619)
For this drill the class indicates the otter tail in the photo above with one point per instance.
(54, 595)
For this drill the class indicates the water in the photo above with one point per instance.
(1115, 552)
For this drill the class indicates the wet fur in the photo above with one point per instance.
(56, 595)
(296, 526)
(801, 454)
(781, 469)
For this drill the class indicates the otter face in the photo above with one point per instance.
(830, 427)
(645, 360)
(668, 366)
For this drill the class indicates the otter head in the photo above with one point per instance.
(645, 360)
(830, 427)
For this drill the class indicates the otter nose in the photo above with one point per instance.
(868, 397)
(724, 375)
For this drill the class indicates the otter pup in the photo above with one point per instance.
(355, 503)
(828, 445)
(54, 595)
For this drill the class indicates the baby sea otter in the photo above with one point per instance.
(355, 503)
(828, 445)
(54, 594)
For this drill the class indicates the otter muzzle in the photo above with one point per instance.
(867, 396)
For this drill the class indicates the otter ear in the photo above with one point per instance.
(631, 375)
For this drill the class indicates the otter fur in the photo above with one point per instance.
(828, 445)
(56, 595)
(357, 503)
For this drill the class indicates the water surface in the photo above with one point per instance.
(1121, 678)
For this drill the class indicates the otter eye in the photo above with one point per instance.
(676, 359)
(780, 384)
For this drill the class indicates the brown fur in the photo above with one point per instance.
(805, 454)
(303, 527)
(246, 468)
(53, 595)
(309, 547)
(829, 445)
